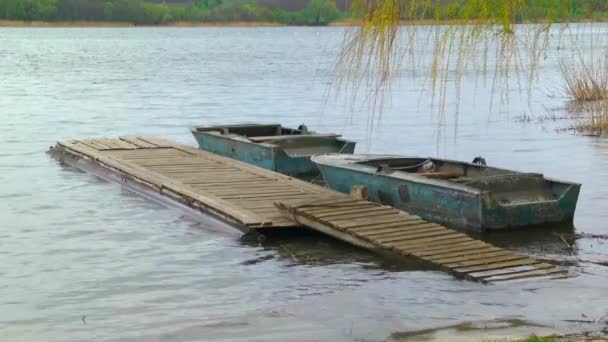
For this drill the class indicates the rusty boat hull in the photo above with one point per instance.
(271, 146)
(454, 193)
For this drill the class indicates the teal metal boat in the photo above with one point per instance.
(454, 193)
(271, 146)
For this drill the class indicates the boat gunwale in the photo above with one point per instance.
(195, 131)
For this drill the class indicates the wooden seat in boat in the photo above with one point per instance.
(283, 137)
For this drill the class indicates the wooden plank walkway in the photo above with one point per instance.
(249, 197)
(385, 229)
(237, 192)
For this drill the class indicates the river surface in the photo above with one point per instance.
(84, 260)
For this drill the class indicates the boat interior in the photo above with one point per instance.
(509, 186)
(261, 133)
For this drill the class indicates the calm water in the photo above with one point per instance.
(83, 259)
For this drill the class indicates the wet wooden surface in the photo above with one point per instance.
(237, 192)
(385, 229)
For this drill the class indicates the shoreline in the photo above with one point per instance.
(112, 24)
(340, 23)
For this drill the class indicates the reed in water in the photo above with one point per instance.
(586, 85)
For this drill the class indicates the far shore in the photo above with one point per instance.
(340, 23)
(20, 23)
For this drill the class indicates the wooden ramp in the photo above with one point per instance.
(385, 229)
(237, 192)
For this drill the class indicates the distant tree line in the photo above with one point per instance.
(535, 10)
(290, 12)
(316, 12)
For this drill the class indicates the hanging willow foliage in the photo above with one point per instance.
(460, 35)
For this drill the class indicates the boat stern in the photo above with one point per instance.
(552, 202)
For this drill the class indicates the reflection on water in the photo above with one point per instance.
(73, 245)
(550, 239)
(310, 248)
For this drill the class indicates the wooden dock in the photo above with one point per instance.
(388, 230)
(245, 196)
(236, 192)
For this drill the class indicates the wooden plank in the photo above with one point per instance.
(411, 226)
(183, 163)
(442, 234)
(124, 144)
(155, 155)
(253, 204)
(462, 246)
(193, 169)
(287, 195)
(360, 222)
(339, 212)
(392, 228)
(424, 243)
(474, 255)
(333, 208)
(211, 183)
(110, 142)
(271, 138)
(356, 214)
(322, 201)
(496, 266)
(380, 236)
(345, 203)
(194, 173)
(524, 275)
(145, 144)
(460, 251)
(243, 188)
(156, 141)
(486, 261)
(176, 161)
(510, 270)
(266, 211)
(227, 187)
(202, 178)
(94, 145)
(407, 222)
(263, 195)
(188, 165)
(138, 142)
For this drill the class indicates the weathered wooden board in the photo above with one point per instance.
(382, 228)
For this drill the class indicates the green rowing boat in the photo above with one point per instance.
(454, 193)
(271, 146)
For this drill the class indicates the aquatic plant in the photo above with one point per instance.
(586, 80)
(587, 87)
(464, 35)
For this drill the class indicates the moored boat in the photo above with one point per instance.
(271, 146)
(454, 193)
